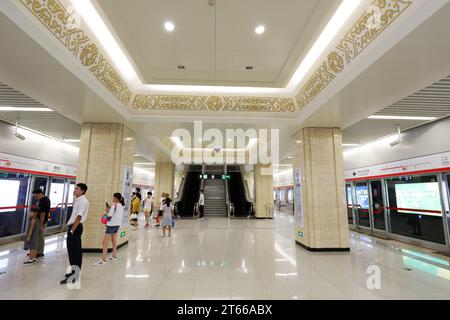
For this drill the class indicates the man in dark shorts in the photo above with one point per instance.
(43, 206)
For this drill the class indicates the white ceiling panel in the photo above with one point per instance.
(216, 42)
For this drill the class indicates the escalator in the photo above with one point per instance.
(242, 207)
(189, 197)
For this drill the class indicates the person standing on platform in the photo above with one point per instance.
(201, 204)
(75, 230)
(136, 208)
(164, 195)
(148, 208)
(43, 207)
(114, 217)
(32, 236)
(168, 211)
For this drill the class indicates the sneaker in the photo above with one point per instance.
(66, 280)
(100, 263)
(112, 258)
(164, 235)
(147, 225)
(30, 262)
(40, 256)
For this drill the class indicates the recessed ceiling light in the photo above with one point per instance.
(249, 67)
(181, 67)
(25, 109)
(169, 26)
(260, 29)
(401, 118)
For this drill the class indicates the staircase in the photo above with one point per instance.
(215, 202)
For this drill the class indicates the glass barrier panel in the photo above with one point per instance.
(415, 208)
(378, 205)
(362, 204)
(56, 196)
(13, 203)
(349, 204)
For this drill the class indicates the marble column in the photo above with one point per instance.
(264, 201)
(106, 151)
(321, 221)
(164, 180)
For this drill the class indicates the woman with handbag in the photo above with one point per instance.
(112, 219)
(135, 209)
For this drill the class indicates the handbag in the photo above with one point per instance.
(105, 219)
(133, 216)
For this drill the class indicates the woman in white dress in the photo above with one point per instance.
(168, 211)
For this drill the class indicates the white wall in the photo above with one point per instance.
(36, 146)
(429, 139)
(144, 177)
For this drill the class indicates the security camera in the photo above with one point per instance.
(399, 137)
(396, 142)
(16, 133)
(19, 136)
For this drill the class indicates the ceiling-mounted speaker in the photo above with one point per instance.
(211, 3)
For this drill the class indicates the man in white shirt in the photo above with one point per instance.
(201, 204)
(148, 207)
(75, 230)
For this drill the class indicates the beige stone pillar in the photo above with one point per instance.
(164, 180)
(263, 192)
(105, 151)
(318, 161)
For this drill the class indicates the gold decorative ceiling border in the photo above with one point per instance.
(213, 103)
(55, 17)
(368, 27)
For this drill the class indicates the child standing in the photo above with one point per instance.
(167, 216)
(32, 237)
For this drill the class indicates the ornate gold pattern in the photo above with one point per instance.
(360, 36)
(53, 15)
(213, 103)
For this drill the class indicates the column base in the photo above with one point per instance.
(322, 249)
(101, 250)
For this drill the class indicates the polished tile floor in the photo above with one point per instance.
(216, 258)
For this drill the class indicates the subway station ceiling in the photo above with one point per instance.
(199, 70)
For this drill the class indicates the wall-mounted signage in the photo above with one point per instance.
(420, 165)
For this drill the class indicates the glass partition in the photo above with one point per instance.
(13, 203)
(349, 197)
(70, 200)
(376, 189)
(56, 196)
(362, 204)
(415, 207)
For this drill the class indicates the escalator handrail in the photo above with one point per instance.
(195, 210)
(181, 188)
